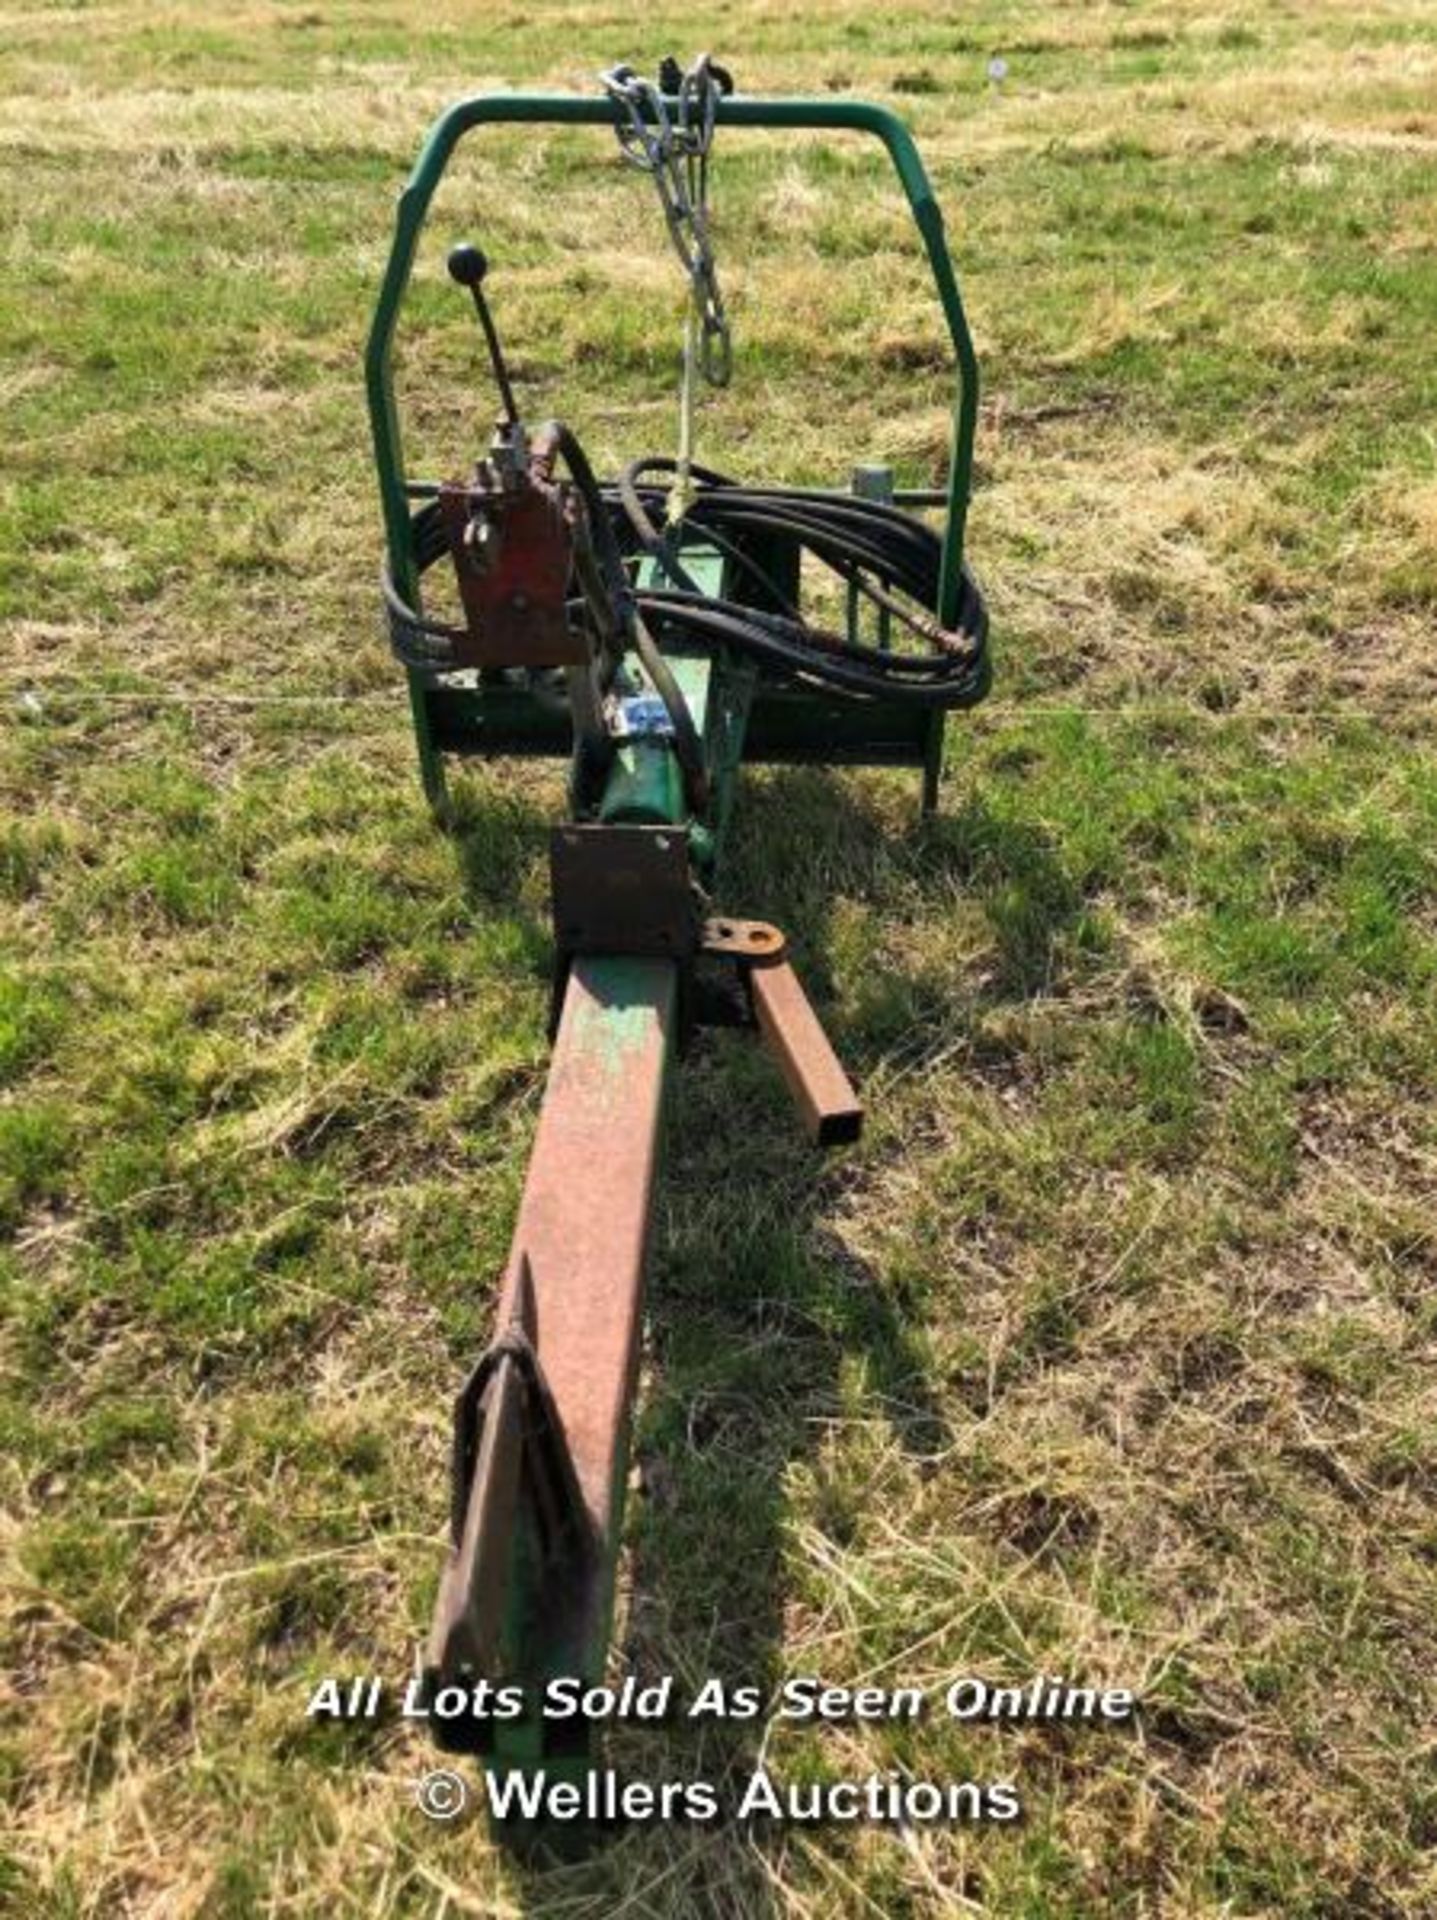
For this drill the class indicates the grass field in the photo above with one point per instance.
(1110, 1352)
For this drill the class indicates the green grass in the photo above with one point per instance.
(1108, 1353)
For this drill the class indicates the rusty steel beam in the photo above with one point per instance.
(585, 1216)
(542, 1430)
(832, 1111)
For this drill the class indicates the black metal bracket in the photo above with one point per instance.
(623, 889)
(620, 890)
(509, 1444)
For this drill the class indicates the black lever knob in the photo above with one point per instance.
(467, 265)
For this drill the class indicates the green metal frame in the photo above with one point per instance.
(458, 720)
(852, 116)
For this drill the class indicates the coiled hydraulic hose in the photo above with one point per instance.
(888, 556)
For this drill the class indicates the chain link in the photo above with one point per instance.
(673, 149)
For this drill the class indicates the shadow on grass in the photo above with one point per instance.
(767, 1333)
(500, 837)
(811, 839)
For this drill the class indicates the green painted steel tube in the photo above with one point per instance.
(645, 786)
(578, 110)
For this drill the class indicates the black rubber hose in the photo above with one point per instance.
(848, 534)
(892, 557)
(688, 747)
(953, 689)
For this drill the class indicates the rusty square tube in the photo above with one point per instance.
(831, 1110)
(586, 1212)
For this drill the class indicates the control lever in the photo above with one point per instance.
(468, 267)
(510, 528)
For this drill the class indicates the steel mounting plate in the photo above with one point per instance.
(623, 890)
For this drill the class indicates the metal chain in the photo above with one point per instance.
(673, 149)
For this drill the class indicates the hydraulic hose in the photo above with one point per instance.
(890, 557)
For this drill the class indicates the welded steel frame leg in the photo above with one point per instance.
(933, 763)
(431, 761)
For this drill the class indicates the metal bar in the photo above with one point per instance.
(431, 766)
(584, 1219)
(871, 482)
(577, 1266)
(784, 725)
(933, 760)
(832, 1111)
(901, 496)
